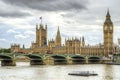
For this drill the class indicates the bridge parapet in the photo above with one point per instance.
(7, 55)
(37, 59)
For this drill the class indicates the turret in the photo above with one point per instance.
(37, 34)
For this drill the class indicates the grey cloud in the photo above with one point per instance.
(7, 10)
(50, 5)
(79, 18)
(13, 14)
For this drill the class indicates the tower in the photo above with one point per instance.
(58, 38)
(41, 35)
(108, 34)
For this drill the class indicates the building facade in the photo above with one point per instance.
(72, 45)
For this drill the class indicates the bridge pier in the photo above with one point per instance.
(86, 61)
(49, 61)
(8, 63)
(69, 60)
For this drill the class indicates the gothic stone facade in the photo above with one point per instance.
(72, 45)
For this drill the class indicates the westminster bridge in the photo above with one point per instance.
(9, 59)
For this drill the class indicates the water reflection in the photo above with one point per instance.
(108, 72)
(23, 71)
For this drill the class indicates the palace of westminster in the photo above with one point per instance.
(71, 46)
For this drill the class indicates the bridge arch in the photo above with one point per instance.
(94, 59)
(77, 59)
(35, 59)
(6, 60)
(57, 59)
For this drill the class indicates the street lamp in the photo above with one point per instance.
(115, 55)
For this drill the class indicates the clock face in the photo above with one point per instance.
(110, 27)
(105, 28)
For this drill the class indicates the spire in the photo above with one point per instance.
(82, 39)
(58, 32)
(46, 26)
(108, 14)
(23, 46)
(83, 42)
(108, 19)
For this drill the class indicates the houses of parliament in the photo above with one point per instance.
(71, 46)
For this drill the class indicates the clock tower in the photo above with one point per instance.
(108, 35)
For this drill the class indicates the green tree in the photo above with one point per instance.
(5, 50)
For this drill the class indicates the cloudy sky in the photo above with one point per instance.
(76, 18)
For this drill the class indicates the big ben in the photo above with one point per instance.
(108, 35)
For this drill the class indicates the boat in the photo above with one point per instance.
(83, 73)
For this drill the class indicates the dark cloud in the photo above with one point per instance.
(50, 5)
(12, 11)
(13, 14)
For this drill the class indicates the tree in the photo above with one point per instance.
(5, 50)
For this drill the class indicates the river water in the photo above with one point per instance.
(23, 71)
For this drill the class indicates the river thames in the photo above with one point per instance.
(23, 71)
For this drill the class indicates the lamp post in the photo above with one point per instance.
(118, 44)
(115, 55)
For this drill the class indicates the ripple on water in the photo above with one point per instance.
(58, 72)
